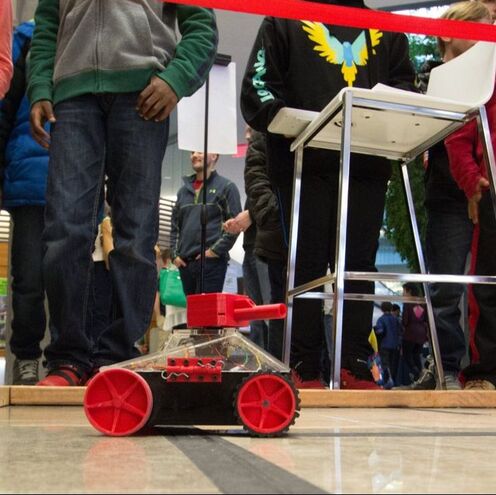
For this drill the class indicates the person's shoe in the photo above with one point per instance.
(479, 385)
(25, 372)
(452, 381)
(351, 382)
(426, 380)
(64, 376)
(315, 383)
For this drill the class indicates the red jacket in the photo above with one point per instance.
(465, 151)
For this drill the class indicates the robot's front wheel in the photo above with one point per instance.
(266, 404)
(118, 402)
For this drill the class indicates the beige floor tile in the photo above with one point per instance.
(54, 450)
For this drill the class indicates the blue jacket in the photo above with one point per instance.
(388, 329)
(23, 162)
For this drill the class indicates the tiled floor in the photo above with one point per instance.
(54, 450)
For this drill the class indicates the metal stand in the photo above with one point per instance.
(315, 136)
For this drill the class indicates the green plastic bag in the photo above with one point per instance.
(171, 288)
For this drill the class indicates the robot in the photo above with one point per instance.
(205, 374)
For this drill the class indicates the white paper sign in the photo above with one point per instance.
(222, 127)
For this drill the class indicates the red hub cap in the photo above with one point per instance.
(266, 404)
(118, 402)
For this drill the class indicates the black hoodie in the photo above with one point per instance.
(286, 69)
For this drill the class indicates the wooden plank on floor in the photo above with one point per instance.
(45, 396)
(398, 398)
(4, 396)
(65, 396)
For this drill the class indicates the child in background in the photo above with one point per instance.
(388, 330)
(469, 170)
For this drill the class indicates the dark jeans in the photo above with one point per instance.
(483, 340)
(214, 275)
(100, 302)
(390, 359)
(277, 280)
(28, 294)
(316, 252)
(257, 287)
(448, 241)
(412, 355)
(94, 136)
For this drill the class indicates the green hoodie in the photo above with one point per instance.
(116, 46)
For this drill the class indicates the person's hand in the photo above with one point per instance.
(179, 262)
(231, 226)
(473, 202)
(239, 223)
(41, 113)
(208, 254)
(156, 101)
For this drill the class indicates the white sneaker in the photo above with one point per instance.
(452, 381)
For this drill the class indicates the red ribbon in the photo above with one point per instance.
(353, 17)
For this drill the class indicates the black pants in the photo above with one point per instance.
(412, 355)
(316, 251)
(483, 342)
(28, 293)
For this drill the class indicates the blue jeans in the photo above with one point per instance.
(214, 275)
(94, 136)
(28, 293)
(257, 287)
(448, 241)
(100, 302)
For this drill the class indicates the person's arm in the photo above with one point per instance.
(263, 202)
(42, 60)
(10, 105)
(262, 90)
(240, 223)
(461, 146)
(43, 49)
(6, 68)
(231, 208)
(401, 70)
(195, 53)
(379, 326)
(188, 69)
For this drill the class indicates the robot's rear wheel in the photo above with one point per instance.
(267, 404)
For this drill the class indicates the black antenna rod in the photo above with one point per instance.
(203, 243)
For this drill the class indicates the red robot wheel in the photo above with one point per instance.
(118, 402)
(267, 404)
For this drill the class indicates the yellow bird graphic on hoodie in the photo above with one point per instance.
(348, 54)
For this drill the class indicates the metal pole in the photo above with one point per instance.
(293, 241)
(203, 216)
(342, 215)
(418, 247)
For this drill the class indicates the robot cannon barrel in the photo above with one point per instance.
(228, 310)
(263, 312)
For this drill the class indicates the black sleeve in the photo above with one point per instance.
(401, 70)
(262, 201)
(262, 88)
(10, 105)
